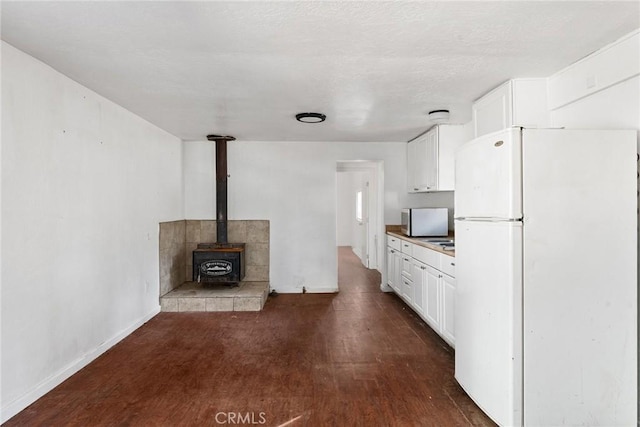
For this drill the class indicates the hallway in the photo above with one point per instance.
(356, 358)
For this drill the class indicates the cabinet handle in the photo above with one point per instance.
(453, 264)
(423, 268)
(393, 252)
(406, 259)
(415, 189)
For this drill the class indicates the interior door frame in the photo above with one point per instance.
(365, 224)
(376, 207)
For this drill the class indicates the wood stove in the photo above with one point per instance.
(220, 262)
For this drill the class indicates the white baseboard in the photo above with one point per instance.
(357, 251)
(322, 290)
(17, 405)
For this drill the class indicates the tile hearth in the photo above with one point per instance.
(194, 296)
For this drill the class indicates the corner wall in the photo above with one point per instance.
(293, 185)
(173, 251)
(85, 184)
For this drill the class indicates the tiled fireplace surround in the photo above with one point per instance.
(179, 238)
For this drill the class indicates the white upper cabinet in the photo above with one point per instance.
(430, 159)
(518, 102)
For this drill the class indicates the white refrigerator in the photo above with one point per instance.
(546, 270)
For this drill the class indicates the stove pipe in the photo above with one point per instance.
(221, 185)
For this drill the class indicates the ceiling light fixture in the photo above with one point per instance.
(439, 116)
(311, 117)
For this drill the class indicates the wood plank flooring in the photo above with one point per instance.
(356, 358)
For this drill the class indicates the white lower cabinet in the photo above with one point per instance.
(407, 270)
(447, 326)
(390, 269)
(394, 269)
(440, 303)
(418, 275)
(432, 298)
(425, 281)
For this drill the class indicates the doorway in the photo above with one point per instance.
(360, 210)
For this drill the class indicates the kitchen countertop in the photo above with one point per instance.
(424, 244)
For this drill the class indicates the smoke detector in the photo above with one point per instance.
(439, 116)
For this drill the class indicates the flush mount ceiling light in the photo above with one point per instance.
(439, 116)
(311, 117)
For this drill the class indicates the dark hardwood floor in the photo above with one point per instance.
(356, 358)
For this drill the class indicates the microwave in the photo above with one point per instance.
(418, 222)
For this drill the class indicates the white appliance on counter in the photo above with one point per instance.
(423, 222)
(546, 269)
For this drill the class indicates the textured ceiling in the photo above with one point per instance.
(245, 68)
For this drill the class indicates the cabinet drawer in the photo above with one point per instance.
(406, 266)
(448, 265)
(394, 242)
(407, 289)
(427, 256)
(407, 248)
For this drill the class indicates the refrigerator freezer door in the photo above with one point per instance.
(580, 283)
(488, 177)
(488, 317)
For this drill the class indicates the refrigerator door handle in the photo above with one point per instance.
(487, 219)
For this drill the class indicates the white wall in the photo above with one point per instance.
(441, 199)
(293, 184)
(602, 91)
(198, 162)
(616, 107)
(346, 212)
(84, 185)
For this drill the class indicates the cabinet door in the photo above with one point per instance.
(412, 160)
(422, 163)
(518, 102)
(418, 274)
(420, 174)
(397, 272)
(492, 112)
(448, 308)
(429, 172)
(390, 266)
(432, 298)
